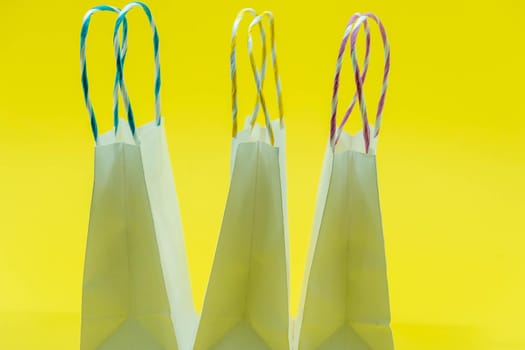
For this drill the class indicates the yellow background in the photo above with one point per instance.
(450, 160)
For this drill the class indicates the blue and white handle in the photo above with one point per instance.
(121, 20)
(83, 65)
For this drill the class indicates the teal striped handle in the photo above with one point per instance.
(119, 75)
(83, 64)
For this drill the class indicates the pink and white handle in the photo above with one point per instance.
(338, 129)
(351, 33)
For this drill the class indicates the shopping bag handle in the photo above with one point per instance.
(233, 67)
(335, 131)
(351, 33)
(83, 64)
(359, 82)
(259, 81)
(119, 75)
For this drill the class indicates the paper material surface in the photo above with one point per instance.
(246, 304)
(136, 292)
(345, 301)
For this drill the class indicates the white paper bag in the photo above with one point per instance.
(136, 292)
(345, 301)
(246, 302)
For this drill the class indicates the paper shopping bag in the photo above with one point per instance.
(136, 292)
(162, 196)
(246, 302)
(345, 301)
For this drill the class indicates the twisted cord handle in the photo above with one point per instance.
(83, 64)
(119, 74)
(233, 67)
(258, 80)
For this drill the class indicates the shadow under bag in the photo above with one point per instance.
(345, 301)
(136, 290)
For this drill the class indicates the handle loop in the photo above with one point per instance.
(335, 131)
(83, 64)
(258, 79)
(353, 102)
(119, 73)
(359, 82)
(233, 67)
